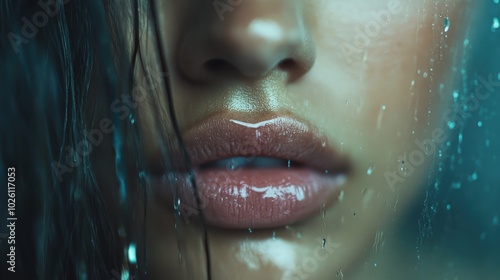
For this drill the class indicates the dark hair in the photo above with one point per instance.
(64, 65)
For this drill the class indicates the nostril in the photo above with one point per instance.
(294, 68)
(222, 67)
(218, 66)
(286, 64)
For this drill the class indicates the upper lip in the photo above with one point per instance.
(282, 136)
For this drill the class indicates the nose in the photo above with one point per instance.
(247, 40)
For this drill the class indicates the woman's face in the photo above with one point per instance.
(351, 92)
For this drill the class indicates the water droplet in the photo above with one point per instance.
(125, 275)
(131, 119)
(177, 206)
(446, 24)
(473, 177)
(426, 75)
(340, 274)
(495, 25)
(250, 230)
(274, 235)
(289, 164)
(121, 232)
(341, 196)
(380, 116)
(456, 185)
(495, 220)
(131, 254)
(323, 243)
(451, 124)
(370, 170)
(448, 207)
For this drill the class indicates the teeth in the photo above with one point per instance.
(258, 162)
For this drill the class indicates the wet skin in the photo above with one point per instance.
(369, 83)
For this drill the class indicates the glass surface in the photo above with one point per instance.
(250, 139)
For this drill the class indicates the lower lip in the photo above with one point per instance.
(259, 198)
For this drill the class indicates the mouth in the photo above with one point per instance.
(258, 174)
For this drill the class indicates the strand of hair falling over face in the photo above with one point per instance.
(119, 145)
(164, 69)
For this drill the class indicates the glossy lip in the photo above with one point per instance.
(259, 198)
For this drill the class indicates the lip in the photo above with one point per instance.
(257, 197)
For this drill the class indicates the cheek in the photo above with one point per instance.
(381, 56)
(376, 102)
